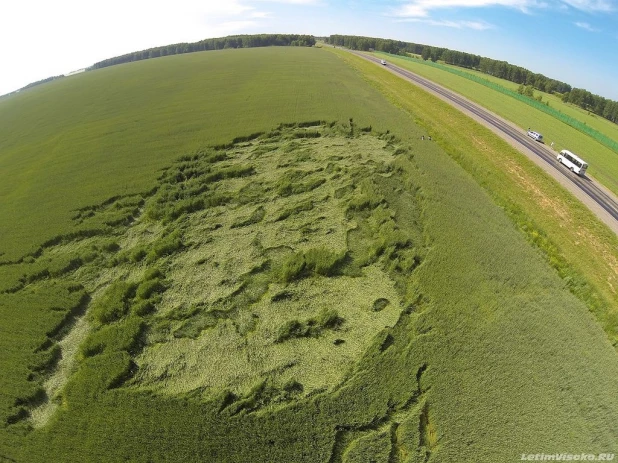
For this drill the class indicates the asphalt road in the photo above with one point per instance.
(599, 200)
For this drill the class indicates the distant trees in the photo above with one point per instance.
(370, 43)
(426, 53)
(461, 59)
(433, 53)
(233, 41)
(42, 81)
(502, 69)
(611, 111)
(526, 90)
(594, 103)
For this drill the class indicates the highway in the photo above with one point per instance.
(598, 195)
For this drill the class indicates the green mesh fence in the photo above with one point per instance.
(576, 124)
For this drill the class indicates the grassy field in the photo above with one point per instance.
(602, 160)
(334, 291)
(109, 132)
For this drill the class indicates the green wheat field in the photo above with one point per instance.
(252, 256)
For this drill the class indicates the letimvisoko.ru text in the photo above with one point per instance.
(567, 457)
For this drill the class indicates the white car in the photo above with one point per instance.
(535, 135)
(382, 62)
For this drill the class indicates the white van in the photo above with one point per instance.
(537, 136)
(573, 162)
(382, 62)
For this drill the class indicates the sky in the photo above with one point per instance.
(574, 41)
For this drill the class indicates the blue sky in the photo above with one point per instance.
(575, 41)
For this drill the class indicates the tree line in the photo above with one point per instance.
(42, 81)
(34, 84)
(232, 41)
(584, 99)
(594, 103)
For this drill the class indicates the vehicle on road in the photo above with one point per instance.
(535, 135)
(382, 62)
(573, 162)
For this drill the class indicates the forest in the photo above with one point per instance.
(232, 41)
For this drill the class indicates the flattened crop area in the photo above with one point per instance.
(268, 287)
(257, 273)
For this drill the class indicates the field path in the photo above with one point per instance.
(602, 202)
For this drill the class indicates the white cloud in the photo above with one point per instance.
(586, 26)
(223, 8)
(260, 15)
(422, 8)
(231, 27)
(475, 25)
(591, 5)
(292, 2)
